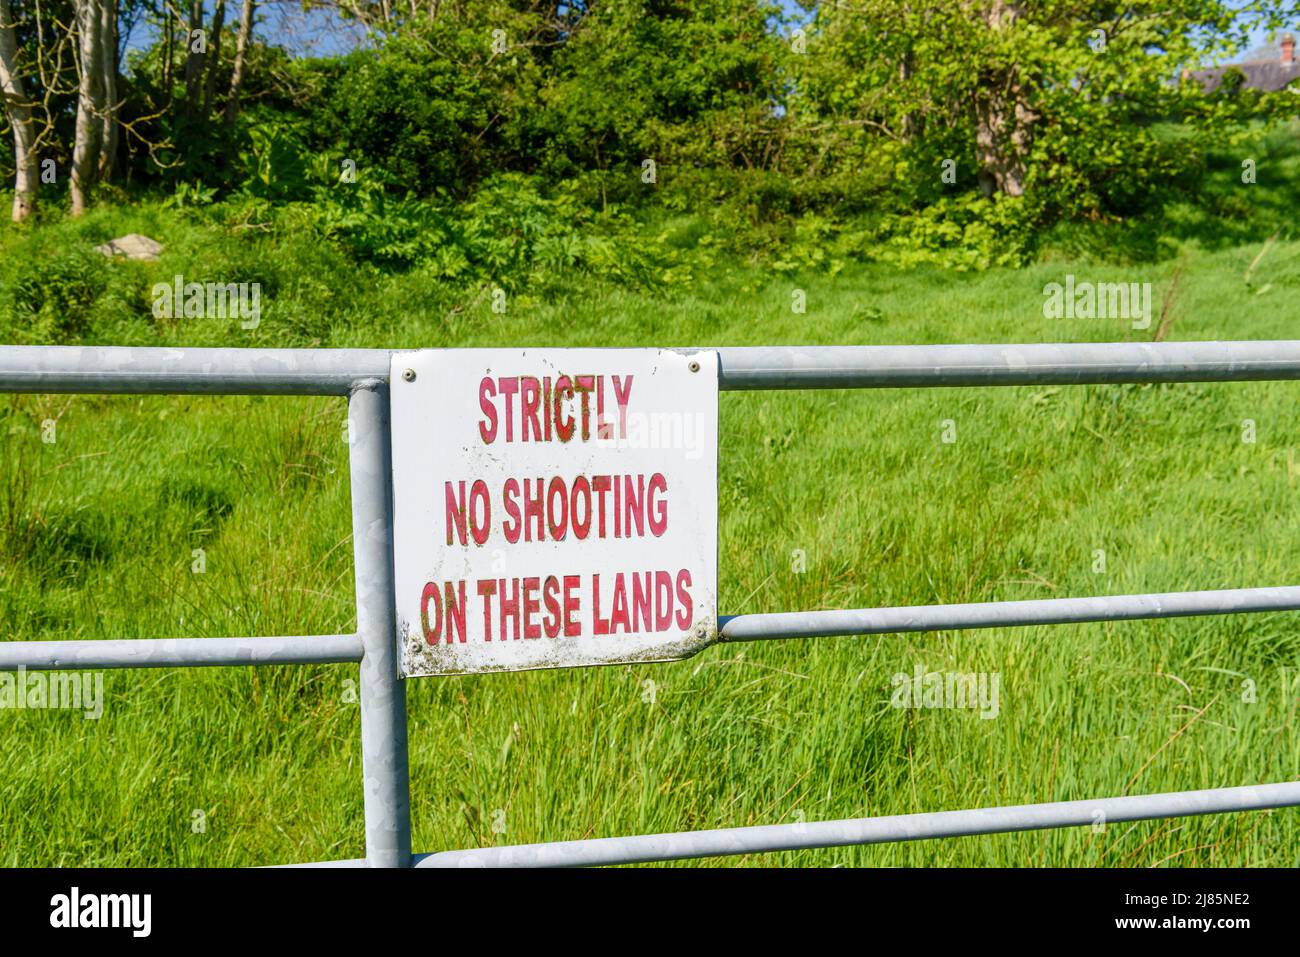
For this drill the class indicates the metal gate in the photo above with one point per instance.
(362, 376)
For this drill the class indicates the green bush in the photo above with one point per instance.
(54, 296)
(964, 232)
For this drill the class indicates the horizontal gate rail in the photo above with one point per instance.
(362, 376)
(876, 367)
(1006, 614)
(136, 370)
(682, 845)
(179, 652)
(333, 649)
(139, 371)
(647, 848)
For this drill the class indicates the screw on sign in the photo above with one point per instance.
(553, 507)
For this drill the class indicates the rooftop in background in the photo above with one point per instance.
(1268, 76)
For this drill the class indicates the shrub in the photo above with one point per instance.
(54, 296)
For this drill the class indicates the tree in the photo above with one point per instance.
(108, 115)
(214, 56)
(246, 11)
(18, 110)
(196, 45)
(1004, 119)
(687, 85)
(88, 138)
(1055, 100)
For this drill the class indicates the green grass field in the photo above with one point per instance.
(827, 500)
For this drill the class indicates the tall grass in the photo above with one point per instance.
(829, 499)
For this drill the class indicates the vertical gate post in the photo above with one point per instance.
(383, 696)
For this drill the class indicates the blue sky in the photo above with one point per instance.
(320, 32)
(317, 32)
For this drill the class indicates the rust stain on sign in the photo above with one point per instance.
(553, 508)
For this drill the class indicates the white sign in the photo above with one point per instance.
(553, 507)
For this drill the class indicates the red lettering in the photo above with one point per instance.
(581, 492)
(658, 506)
(663, 601)
(531, 607)
(488, 428)
(509, 606)
(547, 408)
(600, 484)
(509, 388)
(619, 614)
(533, 509)
(486, 589)
(529, 398)
(455, 606)
(572, 627)
(430, 594)
(478, 494)
(514, 523)
(455, 512)
(551, 594)
(687, 613)
(563, 390)
(622, 393)
(617, 482)
(602, 430)
(585, 384)
(555, 491)
(633, 502)
(599, 626)
(641, 602)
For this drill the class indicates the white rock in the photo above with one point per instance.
(133, 246)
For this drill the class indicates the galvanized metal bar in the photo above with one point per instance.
(383, 696)
(123, 369)
(647, 848)
(867, 367)
(178, 652)
(114, 369)
(1006, 614)
(348, 862)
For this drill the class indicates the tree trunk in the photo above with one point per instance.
(241, 55)
(1002, 140)
(169, 53)
(90, 102)
(1003, 118)
(108, 122)
(194, 58)
(214, 56)
(911, 127)
(19, 112)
